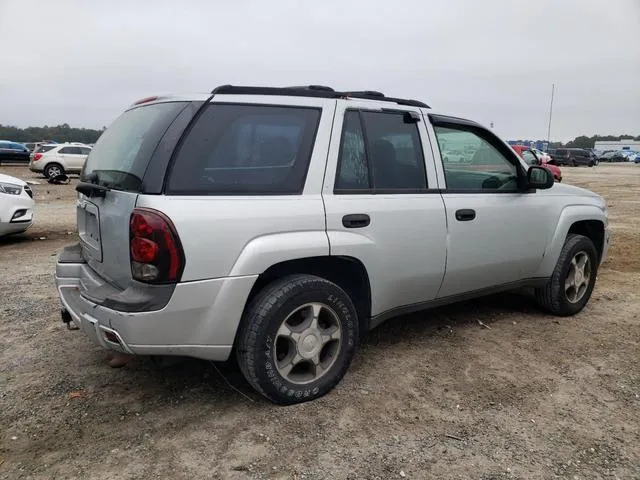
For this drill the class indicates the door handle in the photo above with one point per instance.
(465, 215)
(356, 220)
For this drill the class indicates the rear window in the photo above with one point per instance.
(245, 149)
(45, 148)
(122, 153)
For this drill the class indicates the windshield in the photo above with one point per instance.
(122, 153)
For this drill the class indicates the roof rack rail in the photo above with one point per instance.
(319, 91)
(313, 87)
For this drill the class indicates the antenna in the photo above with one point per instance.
(553, 87)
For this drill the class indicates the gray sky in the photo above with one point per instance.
(82, 62)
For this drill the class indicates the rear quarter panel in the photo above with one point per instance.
(233, 236)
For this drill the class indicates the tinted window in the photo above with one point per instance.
(482, 166)
(122, 153)
(392, 160)
(246, 149)
(45, 148)
(85, 150)
(353, 171)
(71, 150)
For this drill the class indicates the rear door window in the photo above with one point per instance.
(380, 152)
(246, 149)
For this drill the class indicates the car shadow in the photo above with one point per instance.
(224, 380)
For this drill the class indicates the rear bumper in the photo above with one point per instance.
(200, 319)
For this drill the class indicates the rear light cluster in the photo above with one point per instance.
(154, 247)
(37, 157)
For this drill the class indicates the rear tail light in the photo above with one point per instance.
(154, 247)
(37, 157)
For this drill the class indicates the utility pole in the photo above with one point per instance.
(553, 87)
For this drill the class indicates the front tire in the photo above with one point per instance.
(297, 339)
(573, 278)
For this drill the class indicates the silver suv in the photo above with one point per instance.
(281, 224)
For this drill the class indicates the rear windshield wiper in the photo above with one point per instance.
(99, 182)
(92, 189)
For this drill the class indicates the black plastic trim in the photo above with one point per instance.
(387, 191)
(439, 302)
(176, 147)
(483, 192)
(153, 178)
(137, 297)
(316, 91)
(92, 189)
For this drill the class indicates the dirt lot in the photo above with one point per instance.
(433, 395)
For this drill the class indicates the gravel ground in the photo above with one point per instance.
(433, 395)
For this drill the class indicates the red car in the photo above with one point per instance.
(531, 159)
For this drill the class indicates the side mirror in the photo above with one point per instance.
(539, 177)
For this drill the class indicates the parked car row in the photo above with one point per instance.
(620, 156)
(533, 156)
(574, 157)
(13, 152)
(50, 159)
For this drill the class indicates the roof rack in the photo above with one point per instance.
(318, 91)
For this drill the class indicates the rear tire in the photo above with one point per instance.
(297, 339)
(558, 296)
(53, 169)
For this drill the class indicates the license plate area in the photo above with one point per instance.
(88, 215)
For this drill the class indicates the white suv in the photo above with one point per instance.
(56, 159)
(280, 224)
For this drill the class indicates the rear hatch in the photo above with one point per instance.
(116, 167)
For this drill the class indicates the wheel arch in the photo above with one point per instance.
(587, 220)
(349, 273)
(593, 230)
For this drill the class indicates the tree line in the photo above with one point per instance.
(589, 142)
(58, 133)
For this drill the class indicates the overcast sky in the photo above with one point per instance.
(82, 62)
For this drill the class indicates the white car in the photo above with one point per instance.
(16, 205)
(60, 158)
(543, 156)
